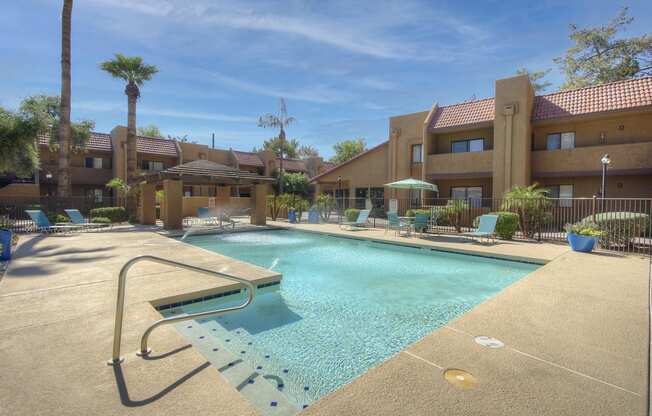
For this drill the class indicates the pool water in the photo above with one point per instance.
(343, 306)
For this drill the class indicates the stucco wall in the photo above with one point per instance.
(369, 169)
(441, 143)
(617, 186)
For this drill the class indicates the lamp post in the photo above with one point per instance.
(605, 162)
(340, 196)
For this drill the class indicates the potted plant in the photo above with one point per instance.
(583, 236)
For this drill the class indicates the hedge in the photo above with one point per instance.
(101, 220)
(620, 227)
(115, 214)
(351, 214)
(56, 217)
(414, 212)
(506, 225)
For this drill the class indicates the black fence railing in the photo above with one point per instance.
(13, 213)
(625, 222)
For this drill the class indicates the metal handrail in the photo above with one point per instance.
(119, 313)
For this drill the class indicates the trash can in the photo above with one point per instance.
(292, 216)
(5, 240)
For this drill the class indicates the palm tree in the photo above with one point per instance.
(280, 121)
(135, 73)
(63, 176)
(531, 204)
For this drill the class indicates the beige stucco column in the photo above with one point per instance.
(259, 204)
(147, 203)
(173, 219)
(222, 197)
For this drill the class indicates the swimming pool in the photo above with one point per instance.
(343, 306)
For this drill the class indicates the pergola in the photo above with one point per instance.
(198, 172)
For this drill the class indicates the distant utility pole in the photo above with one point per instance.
(213, 140)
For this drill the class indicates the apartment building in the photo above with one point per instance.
(482, 148)
(104, 157)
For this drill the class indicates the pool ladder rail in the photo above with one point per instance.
(116, 359)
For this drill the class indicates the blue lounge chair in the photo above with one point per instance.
(78, 219)
(486, 228)
(43, 225)
(394, 222)
(360, 222)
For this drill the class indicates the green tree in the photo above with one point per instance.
(122, 188)
(46, 110)
(348, 149)
(536, 79)
(532, 206)
(18, 148)
(601, 55)
(307, 151)
(64, 187)
(278, 121)
(290, 147)
(150, 131)
(134, 72)
(293, 183)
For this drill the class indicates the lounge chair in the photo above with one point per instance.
(486, 228)
(43, 224)
(360, 222)
(394, 222)
(420, 223)
(78, 219)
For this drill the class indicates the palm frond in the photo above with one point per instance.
(129, 68)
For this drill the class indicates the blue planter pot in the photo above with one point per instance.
(292, 217)
(5, 241)
(581, 243)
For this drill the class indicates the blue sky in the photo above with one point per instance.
(344, 67)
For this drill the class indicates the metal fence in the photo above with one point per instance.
(13, 210)
(624, 221)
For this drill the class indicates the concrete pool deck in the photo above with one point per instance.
(575, 334)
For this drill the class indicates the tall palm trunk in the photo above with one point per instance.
(132, 93)
(281, 177)
(63, 179)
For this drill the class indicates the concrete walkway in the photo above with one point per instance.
(575, 334)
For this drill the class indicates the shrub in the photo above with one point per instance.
(532, 206)
(506, 225)
(620, 228)
(54, 217)
(351, 214)
(453, 213)
(325, 204)
(586, 229)
(102, 220)
(115, 214)
(414, 212)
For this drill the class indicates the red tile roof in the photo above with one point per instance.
(156, 146)
(97, 141)
(471, 112)
(620, 95)
(248, 158)
(614, 96)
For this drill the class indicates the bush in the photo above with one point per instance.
(620, 228)
(586, 229)
(351, 214)
(115, 214)
(414, 212)
(102, 220)
(506, 225)
(325, 203)
(54, 217)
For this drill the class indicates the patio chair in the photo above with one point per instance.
(43, 224)
(78, 219)
(486, 228)
(394, 222)
(420, 223)
(360, 222)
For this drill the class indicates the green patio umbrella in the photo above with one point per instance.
(411, 184)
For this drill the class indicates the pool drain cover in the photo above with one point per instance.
(489, 342)
(460, 379)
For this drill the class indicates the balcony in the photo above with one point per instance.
(460, 165)
(79, 176)
(626, 159)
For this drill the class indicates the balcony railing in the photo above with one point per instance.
(625, 158)
(467, 164)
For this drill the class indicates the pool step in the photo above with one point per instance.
(253, 384)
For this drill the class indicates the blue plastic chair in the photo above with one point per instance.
(420, 223)
(78, 219)
(486, 228)
(43, 224)
(394, 222)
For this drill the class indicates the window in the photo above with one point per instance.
(152, 165)
(93, 162)
(471, 193)
(98, 194)
(471, 145)
(556, 141)
(563, 192)
(417, 153)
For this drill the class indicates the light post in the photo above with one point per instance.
(605, 162)
(340, 196)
